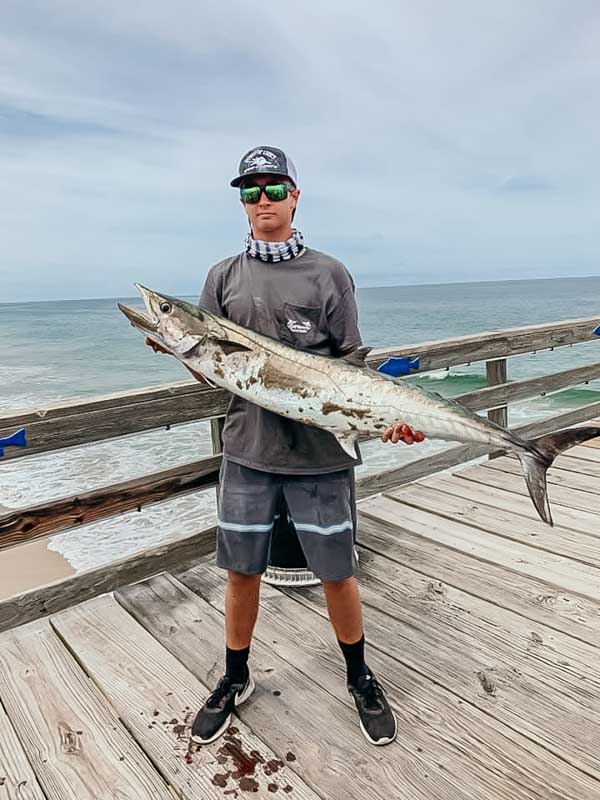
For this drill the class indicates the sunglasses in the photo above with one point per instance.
(273, 191)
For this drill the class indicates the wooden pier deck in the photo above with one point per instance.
(482, 622)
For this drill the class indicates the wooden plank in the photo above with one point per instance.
(79, 422)
(442, 353)
(558, 571)
(71, 734)
(533, 599)
(493, 396)
(17, 778)
(216, 434)
(25, 524)
(595, 443)
(156, 697)
(496, 373)
(536, 681)
(412, 638)
(589, 455)
(324, 746)
(558, 495)
(572, 463)
(565, 518)
(61, 594)
(496, 518)
(440, 738)
(390, 478)
(582, 482)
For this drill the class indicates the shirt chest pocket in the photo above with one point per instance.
(301, 328)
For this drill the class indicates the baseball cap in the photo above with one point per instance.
(261, 160)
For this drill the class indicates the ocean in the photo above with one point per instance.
(55, 351)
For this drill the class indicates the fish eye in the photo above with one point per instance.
(165, 307)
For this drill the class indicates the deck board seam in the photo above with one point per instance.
(176, 579)
(97, 686)
(479, 526)
(555, 586)
(23, 751)
(479, 709)
(432, 576)
(555, 501)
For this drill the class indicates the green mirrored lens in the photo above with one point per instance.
(276, 191)
(250, 194)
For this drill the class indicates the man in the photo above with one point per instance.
(279, 287)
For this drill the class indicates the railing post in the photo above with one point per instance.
(216, 435)
(496, 373)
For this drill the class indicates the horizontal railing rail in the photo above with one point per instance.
(445, 353)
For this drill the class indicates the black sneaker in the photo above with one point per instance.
(377, 720)
(215, 715)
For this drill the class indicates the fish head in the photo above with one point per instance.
(174, 323)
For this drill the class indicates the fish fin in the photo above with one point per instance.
(539, 457)
(347, 441)
(357, 357)
(231, 347)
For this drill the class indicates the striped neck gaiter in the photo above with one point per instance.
(276, 251)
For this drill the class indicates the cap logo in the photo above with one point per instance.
(259, 158)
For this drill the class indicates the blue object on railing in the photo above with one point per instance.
(597, 330)
(398, 366)
(16, 440)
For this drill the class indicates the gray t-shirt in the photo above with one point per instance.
(308, 303)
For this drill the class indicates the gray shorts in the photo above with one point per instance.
(322, 508)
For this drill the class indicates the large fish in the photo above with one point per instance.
(339, 395)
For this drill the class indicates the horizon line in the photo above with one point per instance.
(358, 286)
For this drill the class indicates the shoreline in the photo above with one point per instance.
(30, 566)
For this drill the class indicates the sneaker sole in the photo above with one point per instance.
(238, 702)
(379, 742)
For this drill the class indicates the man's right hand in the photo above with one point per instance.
(157, 347)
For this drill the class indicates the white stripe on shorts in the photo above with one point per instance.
(326, 531)
(233, 526)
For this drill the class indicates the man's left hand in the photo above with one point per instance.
(401, 432)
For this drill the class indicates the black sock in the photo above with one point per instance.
(236, 664)
(355, 659)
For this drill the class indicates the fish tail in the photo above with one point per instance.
(539, 456)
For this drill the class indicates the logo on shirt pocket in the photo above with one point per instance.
(299, 325)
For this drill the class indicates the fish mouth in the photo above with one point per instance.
(139, 320)
(148, 322)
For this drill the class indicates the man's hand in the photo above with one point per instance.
(157, 347)
(399, 431)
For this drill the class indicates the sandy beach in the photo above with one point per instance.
(29, 566)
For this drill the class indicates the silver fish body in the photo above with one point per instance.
(339, 395)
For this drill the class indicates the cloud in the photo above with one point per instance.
(451, 143)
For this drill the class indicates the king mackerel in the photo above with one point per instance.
(340, 395)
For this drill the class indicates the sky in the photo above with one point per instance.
(434, 141)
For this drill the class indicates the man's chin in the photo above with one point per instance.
(266, 226)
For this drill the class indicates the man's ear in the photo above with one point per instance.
(296, 197)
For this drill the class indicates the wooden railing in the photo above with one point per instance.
(79, 422)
